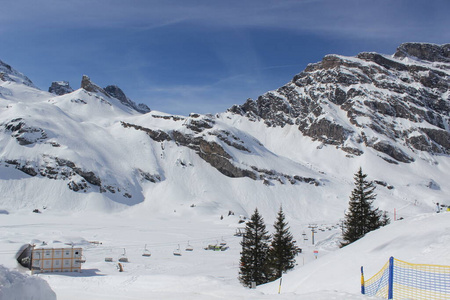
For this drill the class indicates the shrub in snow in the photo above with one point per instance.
(17, 286)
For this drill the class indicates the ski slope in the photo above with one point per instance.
(205, 274)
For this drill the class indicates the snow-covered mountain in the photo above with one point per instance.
(299, 146)
(394, 104)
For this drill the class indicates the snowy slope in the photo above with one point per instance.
(99, 170)
(203, 274)
(421, 240)
(14, 285)
(87, 150)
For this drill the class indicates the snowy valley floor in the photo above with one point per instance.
(205, 274)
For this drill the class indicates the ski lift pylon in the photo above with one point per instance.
(146, 252)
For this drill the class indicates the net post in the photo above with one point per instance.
(363, 290)
(391, 278)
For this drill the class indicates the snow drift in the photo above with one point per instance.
(17, 286)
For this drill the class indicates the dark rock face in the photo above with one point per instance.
(60, 88)
(392, 151)
(217, 155)
(79, 179)
(375, 93)
(211, 152)
(156, 135)
(7, 73)
(428, 52)
(115, 92)
(23, 133)
(89, 86)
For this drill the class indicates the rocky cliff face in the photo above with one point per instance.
(389, 103)
(115, 92)
(60, 88)
(7, 73)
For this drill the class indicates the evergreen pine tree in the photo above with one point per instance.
(385, 220)
(283, 248)
(255, 246)
(361, 217)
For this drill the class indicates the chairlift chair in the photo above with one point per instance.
(238, 232)
(146, 252)
(177, 252)
(81, 259)
(223, 243)
(123, 257)
(189, 247)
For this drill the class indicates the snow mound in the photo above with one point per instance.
(424, 239)
(17, 286)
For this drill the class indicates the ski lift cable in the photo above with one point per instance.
(158, 245)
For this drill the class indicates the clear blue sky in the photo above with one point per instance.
(182, 56)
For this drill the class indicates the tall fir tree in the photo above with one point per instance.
(361, 217)
(255, 247)
(283, 249)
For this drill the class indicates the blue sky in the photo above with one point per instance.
(182, 56)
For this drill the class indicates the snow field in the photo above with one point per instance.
(203, 274)
(194, 275)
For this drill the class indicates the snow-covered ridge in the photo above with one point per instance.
(304, 141)
(394, 104)
(7, 73)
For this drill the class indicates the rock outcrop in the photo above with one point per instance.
(367, 99)
(89, 86)
(60, 88)
(115, 92)
(7, 73)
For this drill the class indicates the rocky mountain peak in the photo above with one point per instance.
(424, 51)
(115, 92)
(60, 88)
(89, 86)
(7, 73)
(365, 101)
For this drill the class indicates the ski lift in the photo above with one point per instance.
(146, 252)
(189, 247)
(123, 257)
(304, 236)
(81, 259)
(177, 251)
(108, 259)
(223, 243)
(239, 232)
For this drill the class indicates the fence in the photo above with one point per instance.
(402, 280)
